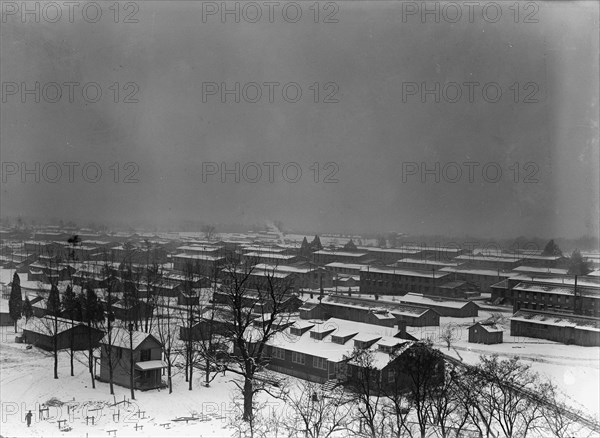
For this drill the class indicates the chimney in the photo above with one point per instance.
(402, 329)
(576, 302)
(321, 287)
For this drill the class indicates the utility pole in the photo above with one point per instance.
(131, 379)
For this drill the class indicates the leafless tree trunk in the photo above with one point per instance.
(248, 299)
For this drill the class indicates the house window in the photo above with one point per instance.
(297, 357)
(340, 369)
(391, 376)
(319, 362)
(278, 353)
(144, 355)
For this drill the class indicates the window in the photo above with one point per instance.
(144, 355)
(391, 376)
(297, 357)
(341, 369)
(319, 362)
(278, 353)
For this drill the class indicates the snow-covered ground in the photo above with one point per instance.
(574, 369)
(26, 382)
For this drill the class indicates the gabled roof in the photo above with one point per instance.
(120, 338)
(45, 325)
(488, 327)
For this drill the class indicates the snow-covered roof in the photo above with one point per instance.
(45, 325)
(325, 348)
(375, 305)
(285, 268)
(558, 320)
(120, 338)
(390, 341)
(367, 337)
(432, 248)
(262, 249)
(540, 270)
(410, 260)
(556, 289)
(355, 266)
(341, 253)
(489, 258)
(490, 328)
(413, 298)
(150, 365)
(303, 325)
(204, 257)
(559, 280)
(484, 272)
(198, 248)
(270, 255)
(411, 251)
(405, 272)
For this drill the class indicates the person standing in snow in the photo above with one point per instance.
(28, 418)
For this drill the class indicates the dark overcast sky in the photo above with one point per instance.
(369, 53)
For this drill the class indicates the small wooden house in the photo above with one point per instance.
(484, 333)
(147, 355)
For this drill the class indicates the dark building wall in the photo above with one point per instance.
(590, 306)
(478, 335)
(5, 319)
(80, 339)
(429, 318)
(390, 283)
(304, 371)
(564, 335)
(469, 310)
(483, 282)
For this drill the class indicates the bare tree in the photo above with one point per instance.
(265, 421)
(365, 380)
(448, 335)
(209, 231)
(166, 329)
(54, 308)
(315, 413)
(507, 393)
(246, 298)
(557, 420)
(109, 324)
(189, 318)
(92, 314)
(472, 404)
(397, 407)
(212, 345)
(71, 310)
(445, 408)
(422, 367)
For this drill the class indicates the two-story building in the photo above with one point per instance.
(143, 348)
